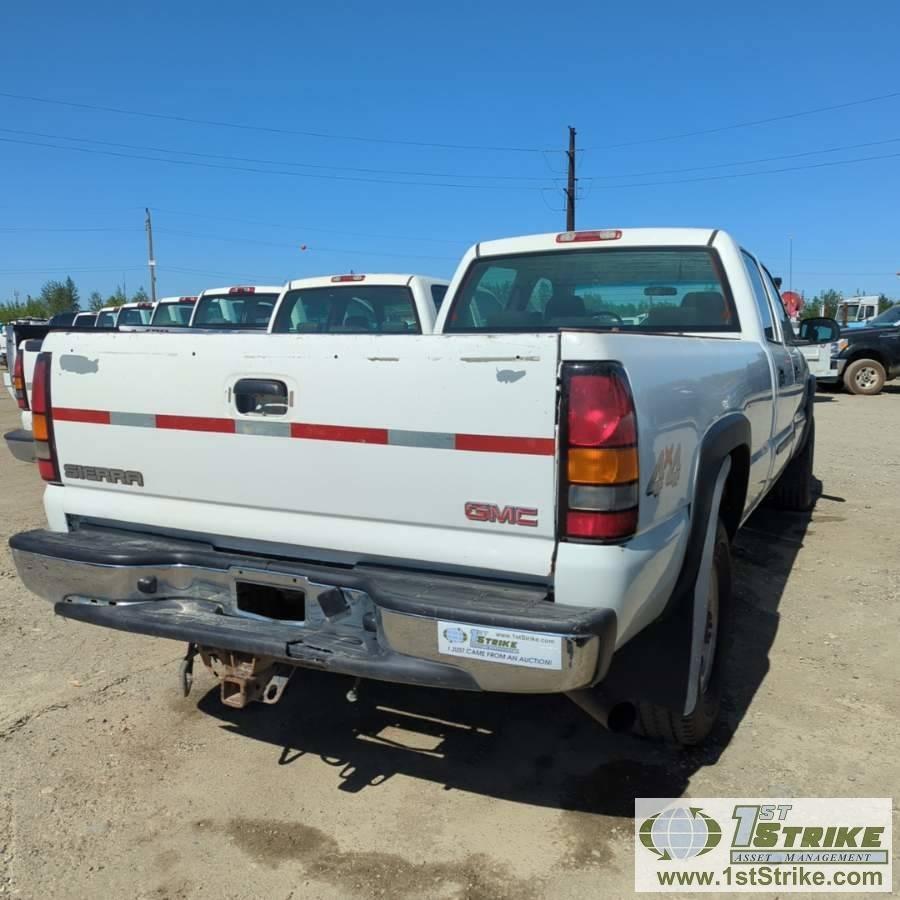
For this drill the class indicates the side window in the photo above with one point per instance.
(759, 294)
(787, 329)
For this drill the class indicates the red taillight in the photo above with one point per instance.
(338, 278)
(604, 526)
(187, 299)
(42, 420)
(18, 380)
(580, 237)
(145, 306)
(242, 290)
(600, 411)
(599, 481)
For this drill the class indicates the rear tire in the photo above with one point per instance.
(795, 488)
(865, 376)
(663, 724)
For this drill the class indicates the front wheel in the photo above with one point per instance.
(660, 723)
(865, 376)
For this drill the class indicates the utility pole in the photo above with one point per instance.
(570, 189)
(791, 263)
(151, 260)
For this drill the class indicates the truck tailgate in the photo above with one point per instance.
(422, 449)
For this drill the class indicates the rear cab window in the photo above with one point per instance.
(106, 320)
(651, 289)
(348, 309)
(135, 316)
(176, 314)
(247, 310)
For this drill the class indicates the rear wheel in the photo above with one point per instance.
(865, 376)
(795, 488)
(660, 723)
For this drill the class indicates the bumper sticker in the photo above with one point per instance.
(500, 645)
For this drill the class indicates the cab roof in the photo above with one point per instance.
(348, 279)
(237, 288)
(596, 239)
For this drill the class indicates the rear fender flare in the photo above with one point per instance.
(656, 665)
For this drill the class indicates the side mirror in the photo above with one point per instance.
(819, 330)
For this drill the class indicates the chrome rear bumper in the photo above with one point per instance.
(435, 630)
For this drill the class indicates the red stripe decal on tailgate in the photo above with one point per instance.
(345, 433)
(488, 443)
(67, 414)
(195, 423)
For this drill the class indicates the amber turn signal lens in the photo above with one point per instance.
(39, 428)
(615, 466)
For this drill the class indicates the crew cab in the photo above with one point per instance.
(240, 306)
(538, 497)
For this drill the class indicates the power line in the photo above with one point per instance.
(746, 162)
(822, 165)
(12, 229)
(70, 269)
(310, 248)
(187, 162)
(265, 128)
(298, 227)
(271, 162)
(749, 124)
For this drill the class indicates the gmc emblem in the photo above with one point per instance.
(506, 515)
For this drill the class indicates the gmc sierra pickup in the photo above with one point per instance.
(538, 497)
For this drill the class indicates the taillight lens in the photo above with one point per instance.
(42, 420)
(18, 380)
(599, 490)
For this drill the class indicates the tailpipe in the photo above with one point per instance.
(618, 716)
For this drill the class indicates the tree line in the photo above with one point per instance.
(64, 296)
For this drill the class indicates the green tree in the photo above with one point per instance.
(140, 296)
(117, 298)
(884, 303)
(60, 296)
(95, 301)
(829, 299)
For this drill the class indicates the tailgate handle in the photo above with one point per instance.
(261, 397)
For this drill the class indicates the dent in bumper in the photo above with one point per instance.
(390, 632)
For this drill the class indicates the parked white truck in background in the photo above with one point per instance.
(239, 306)
(173, 312)
(539, 497)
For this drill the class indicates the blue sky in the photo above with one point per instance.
(485, 75)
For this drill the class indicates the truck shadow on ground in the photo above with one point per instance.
(538, 750)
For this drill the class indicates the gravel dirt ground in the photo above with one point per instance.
(113, 785)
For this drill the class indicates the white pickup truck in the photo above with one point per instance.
(538, 497)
